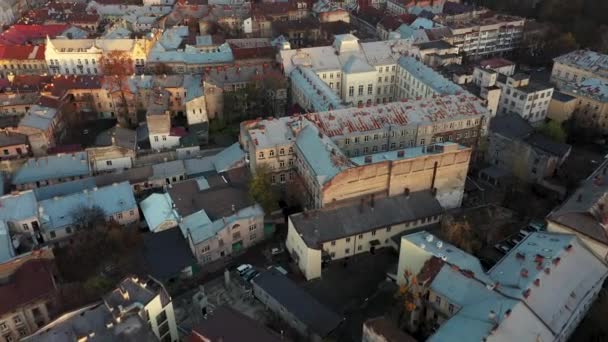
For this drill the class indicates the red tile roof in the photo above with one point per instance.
(178, 132)
(22, 52)
(21, 34)
(61, 84)
(31, 281)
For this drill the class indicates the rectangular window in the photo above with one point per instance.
(351, 91)
(360, 90)
(108, 163)
(347, 251)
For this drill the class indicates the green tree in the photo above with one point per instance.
(554, 130)
(261, 190)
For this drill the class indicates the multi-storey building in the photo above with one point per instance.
(412, 6)
(29, 295)
(480, 36)
(416, 80)
(332, 149)
(82, 56)
(585, 213)
(528, 99)
(43, 127)
(59, 215)
(578, 66)
(591, 108)
(322, 235)
(22, 60)
(529, 294)
(361, 74)
(139, 309)
(456, 118)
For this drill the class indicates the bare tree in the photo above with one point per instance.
(117, 66)
(88, 217)
(460, 233)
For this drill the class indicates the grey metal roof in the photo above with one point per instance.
(123, 137)
(10, 138)
(228, 325)
(166, 253)
(511, 126)
(321, 225)
(515, 127)
(584, 211)
(95, 319)
(317, 317)
(218, 201)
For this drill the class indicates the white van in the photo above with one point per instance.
(243, 268)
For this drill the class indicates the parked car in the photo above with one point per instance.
(243, 268)
(252, 273)
(502, 248)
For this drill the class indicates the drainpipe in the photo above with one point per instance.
(434, 176)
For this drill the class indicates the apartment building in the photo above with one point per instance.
(218, 219)
(311, 93)
(515, 147)
(455, 290)
(317, 237)
(19, 211)
(138, 309)
(361, 74)
(150, 300)
(22, 60)
(526, 98)
(171, 50)
(59, 216)
(114, 150)
(43, 126)
(356, 132)
(82, 56)
(591, 104)
(481, 35)
(60, 168)
(412, 6)
(417, 81)
(13, 145)
(578, 66)
(584, 213)
(29, 295)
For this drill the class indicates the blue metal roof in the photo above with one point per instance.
(229, 158)
(52, 167)
(201, 228)
(321, 154)
(7, 251)
(321, 96)
(59, 212)
(63, 189)
(471, 322)
(429, 76)
(18, 207)
(411, 152)
(39, 117)
(158, 208)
